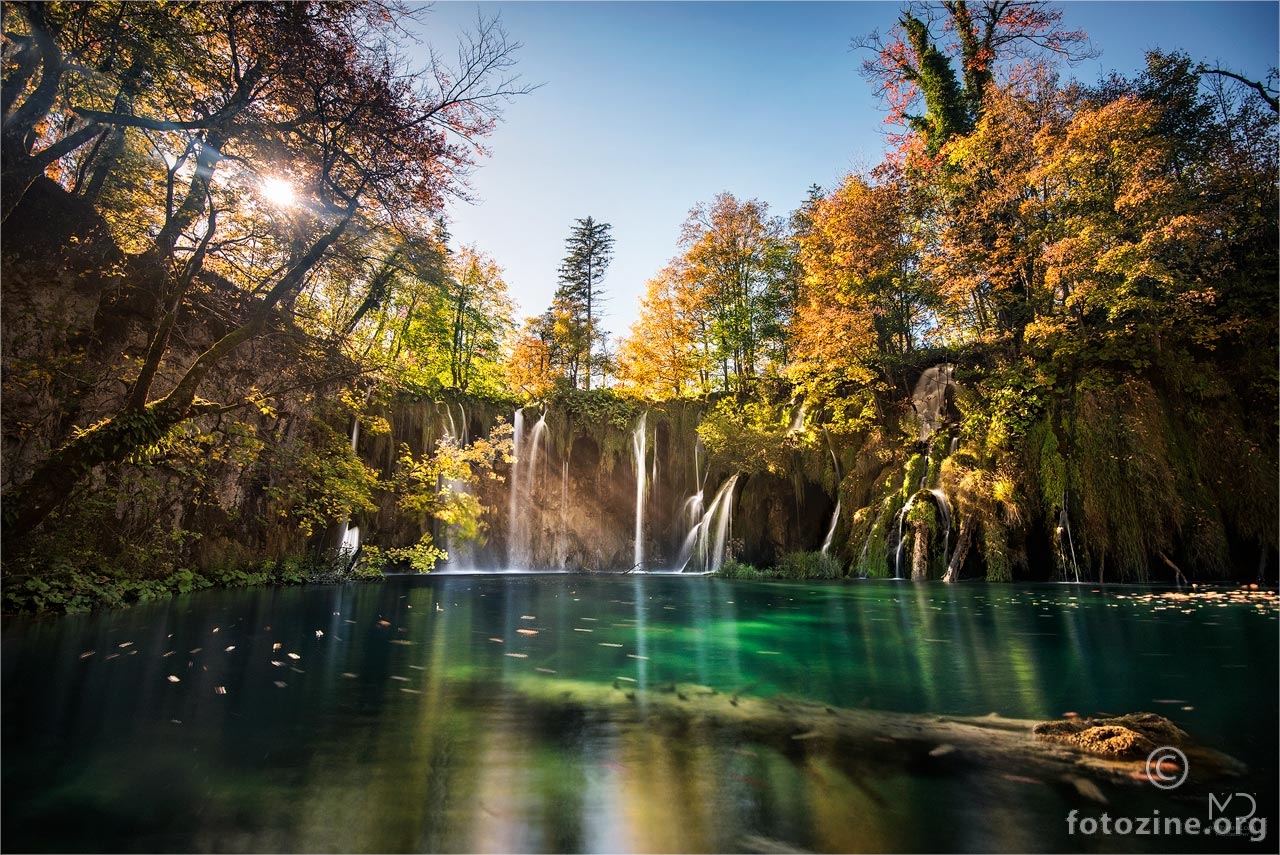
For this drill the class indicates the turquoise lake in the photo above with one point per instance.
(408, 715)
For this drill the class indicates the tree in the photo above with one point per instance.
(660, 356)
(531, 365)
(589, 249)
(737, 257)
(913, 63)
(479, 316)
(859, 259)
(988, 236)
(309, 98)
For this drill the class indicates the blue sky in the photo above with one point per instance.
(646, 109)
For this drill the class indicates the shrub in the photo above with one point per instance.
(809, 565)
(734, 569)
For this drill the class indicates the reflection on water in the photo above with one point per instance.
(405, 716)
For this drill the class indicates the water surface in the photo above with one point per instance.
(407, 716)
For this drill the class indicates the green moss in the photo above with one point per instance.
(995, 550)
(873, 562)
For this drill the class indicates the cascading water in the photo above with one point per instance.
(348, 534)
(944, 511)
(524, 470)
(536, 441)
(1064, 532)
(706, 541)
(514, 515)
(797, 422)
(897, 552)
(461, 552)
(831, 531)
(930, 398)
(944, 520)
(638, 449)
(835, 515)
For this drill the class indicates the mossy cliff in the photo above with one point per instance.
(983, 461)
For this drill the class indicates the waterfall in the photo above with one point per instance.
(521, 502)
(461, 552)
(897, 552)
(348, 534)
(797, 422)
(450, 429)
(722, 512)
(514, 515)
(697, 464)
(835, 516)
(930, 398)
(831, 532)
(536, 441)
(706, 540)
(944, 520)
(944, 513)
(1064, 528)
(638, 448)
(562, 548)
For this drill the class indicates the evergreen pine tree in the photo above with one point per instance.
(589, 251)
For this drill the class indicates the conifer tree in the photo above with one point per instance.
(589, 249)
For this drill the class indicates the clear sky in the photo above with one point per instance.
(646, 109)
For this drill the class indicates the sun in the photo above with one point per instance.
(277, 191)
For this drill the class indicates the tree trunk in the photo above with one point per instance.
(963, 542)
(920, 552)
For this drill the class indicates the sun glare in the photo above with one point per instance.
(278, 191)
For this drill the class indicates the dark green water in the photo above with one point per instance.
(397, 716)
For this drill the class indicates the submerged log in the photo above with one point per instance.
(1076, 751)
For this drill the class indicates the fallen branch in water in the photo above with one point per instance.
(1076, 752)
